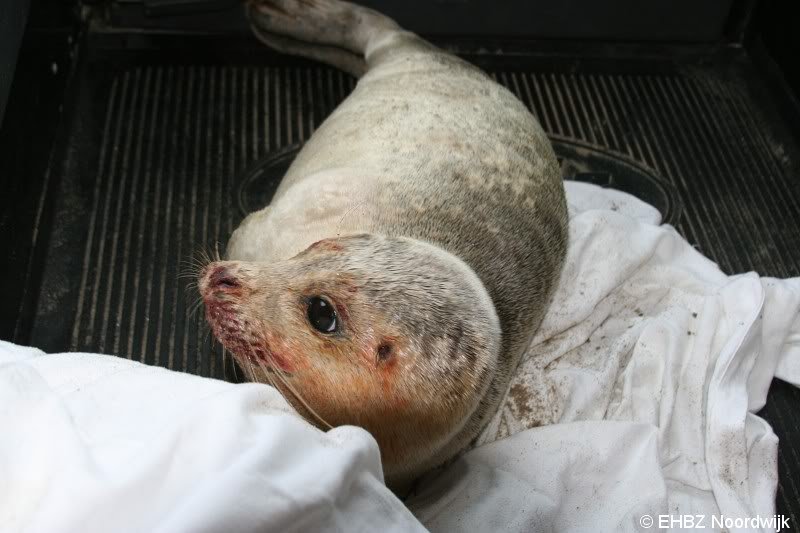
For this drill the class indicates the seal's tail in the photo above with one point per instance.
(339, 33)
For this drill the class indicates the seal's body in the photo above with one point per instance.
(409, 253)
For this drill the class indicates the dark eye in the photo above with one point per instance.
(322, 315)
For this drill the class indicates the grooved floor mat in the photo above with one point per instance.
(160, 166)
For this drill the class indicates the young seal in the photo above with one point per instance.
(410, 251)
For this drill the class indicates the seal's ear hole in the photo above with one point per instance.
(383, 352)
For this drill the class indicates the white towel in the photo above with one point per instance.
(646, 369)
(650, 363)
(92, 443)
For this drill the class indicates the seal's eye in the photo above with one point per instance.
(322, 315)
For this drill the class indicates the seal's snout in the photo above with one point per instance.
(222, 278)
(218, 279)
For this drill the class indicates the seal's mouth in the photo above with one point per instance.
(234, 334)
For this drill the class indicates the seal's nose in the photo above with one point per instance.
(217, 279)
(222, 278)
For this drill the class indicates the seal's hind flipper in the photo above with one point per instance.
(332, 31)
(331, 55)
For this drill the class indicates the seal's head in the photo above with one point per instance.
(391, 334)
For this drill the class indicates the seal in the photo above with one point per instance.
(410, 251)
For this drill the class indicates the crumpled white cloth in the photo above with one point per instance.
(92, 443)
(647, 370)
(650, 364)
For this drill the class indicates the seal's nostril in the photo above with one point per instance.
(223, 278)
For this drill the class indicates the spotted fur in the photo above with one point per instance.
(431, 201)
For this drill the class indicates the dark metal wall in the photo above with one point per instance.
(617, 20)
(28, 131)
(776, 24)
(13, 15)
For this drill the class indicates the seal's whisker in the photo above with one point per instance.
(196, 259)
(254, 375)
(205, 255)
(233, 363)
(266, 375)
(206, 337)
(199, 258)
(225, 365)
(195, 307)
(280, 377)
(190, 270)
(215, 343)
(194, 264)
(196, 310)
(252, 372)
(345, 215)
(249, 360)
(189, 273)
(276, 374)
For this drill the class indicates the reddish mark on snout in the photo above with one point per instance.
(223, 278)
(331, 245)
(274, 358)
(223, 294)
(221, 284)
(258, 352)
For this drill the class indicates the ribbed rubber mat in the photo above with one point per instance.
(175, 143)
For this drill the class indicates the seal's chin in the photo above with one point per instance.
(236, 336)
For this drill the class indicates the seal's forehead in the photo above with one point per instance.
(339, 243)
(379, 256)
(360, 250)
